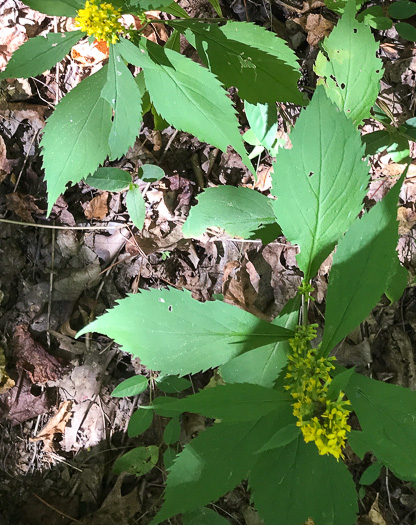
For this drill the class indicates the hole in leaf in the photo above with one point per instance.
(377, 71)
(310, 174)
(342, 85)
(355, 30)
(170, 308)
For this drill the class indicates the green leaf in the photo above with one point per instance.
(283, 437)
(338, 383)
(395, 144)
(203, 516)
(189, 336)
(197, 103)
(358, 443)
(263, 122)
(370, 246)
(109, 179)
(39, 54)
(262, 366)
(123, 94)
(149, 5)
(243, 213)
(231, 403)
(151, 173)
(387, 417)
(132, 386)
(138, 461)
(139, 422)
(296, 483)
(406, 31)
(410, 128)
(374, 17)
(172, 431)
(397, 282)
(174, 41)
(214, 463)
(168, 457)
(349, 66)
(176, 10)
(320, 183)
(172, 384)
(371, 474)
(75, 140)
(339, 5)
(216, 5)
(248, 57)
(402, 9)
(56, 7)
(136, 206)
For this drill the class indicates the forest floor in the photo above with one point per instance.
(60, 430)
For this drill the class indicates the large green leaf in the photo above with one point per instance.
(320, 183)
(387, 417)
(39, 54)
(56, 7)
(349, 66)
(123, 94)
(214, 463)
(244, 55)
(75, 140)
(231, 403)
(197, 103)
(241, 212)
(178, 335)
(364, 262)
(262, 365)
(295, 483)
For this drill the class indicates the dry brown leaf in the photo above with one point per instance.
(6, 382)
(155, 32)
(11, 38)
(97, 208)
(33, 358)
(316, 26)
(5, 165)
(406, 218)
(19, 404)
(86, 55)
(23, 206)
(375, 514)
(56, 425)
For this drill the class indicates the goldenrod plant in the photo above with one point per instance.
(282, 406)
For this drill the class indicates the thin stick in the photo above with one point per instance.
(54, 227)
(55, 509)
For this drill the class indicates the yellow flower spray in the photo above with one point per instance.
(321, 419)
(100, 20)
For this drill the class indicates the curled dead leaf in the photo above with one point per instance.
(56, 425)
(97, 208)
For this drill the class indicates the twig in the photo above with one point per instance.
(55, 509)
(25, 161)
(48, 319)
(199, 174)
(168, 145)
(54, 227)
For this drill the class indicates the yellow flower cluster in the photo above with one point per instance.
(322, 420)
(100, 20)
